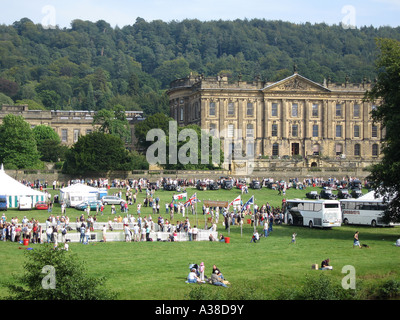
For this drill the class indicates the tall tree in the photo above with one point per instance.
(98, 152)
(113, 122)
(385, 176)
(156, 121)
(90, 101)
(48, 143)
(17, 144)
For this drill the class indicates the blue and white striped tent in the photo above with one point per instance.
(13, 190)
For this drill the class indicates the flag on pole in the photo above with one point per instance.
(193, 199)
(181, 196)
(250, 201)
(236, 201)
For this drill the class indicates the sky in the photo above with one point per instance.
(351, 13)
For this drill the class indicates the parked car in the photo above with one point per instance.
(170, 187)
(356, 193)
(112, 200)
(344, 194)
(93, 205)
(271, 185)
(342, 184)
(201, 185)
(152, 186)
(312, 195)
(327, 194)
(329, 184)
(240, 183)
(255, 184)
(212, 185)
(226, 184)
(355, 184)
(41, 205)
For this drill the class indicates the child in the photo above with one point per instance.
(293, 238)
(201, 270)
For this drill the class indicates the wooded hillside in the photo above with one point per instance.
(92, 66)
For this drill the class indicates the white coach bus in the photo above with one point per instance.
(318, 213)
(363, 212)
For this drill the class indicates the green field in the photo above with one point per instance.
(158, 270)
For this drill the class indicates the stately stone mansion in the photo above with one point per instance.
(291, 117)
(68, 124)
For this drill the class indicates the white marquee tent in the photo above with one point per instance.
(77, 193)
(13, 190)
(371, 196)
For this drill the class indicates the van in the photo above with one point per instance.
(25, 203)
(3, 203)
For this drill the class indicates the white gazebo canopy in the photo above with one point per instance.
(13, 189)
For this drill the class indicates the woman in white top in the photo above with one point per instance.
(194, 233)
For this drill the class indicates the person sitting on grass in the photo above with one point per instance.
(216, 279)
(255, 237)
(325, 265)
(192, 277)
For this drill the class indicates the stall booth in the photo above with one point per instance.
(78, 193)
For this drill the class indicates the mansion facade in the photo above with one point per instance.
(68, 124)
(291, 117)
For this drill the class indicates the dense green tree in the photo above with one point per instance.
(113, 122)
(56, 274)
(9, 88)
(171, 70)
(191, 153)
(17, 144)
(48, 143)
(50, 99)
(385, 175)
(4, 99)
(96, 153)
(90, 101)
(32, 105)
(156, 121)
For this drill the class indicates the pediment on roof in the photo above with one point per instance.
(296, 83)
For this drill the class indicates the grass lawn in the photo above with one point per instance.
(158, 270)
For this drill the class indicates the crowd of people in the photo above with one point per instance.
(259, 215)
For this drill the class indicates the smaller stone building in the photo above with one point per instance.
(69, 124)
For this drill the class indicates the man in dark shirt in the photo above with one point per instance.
(325, 265)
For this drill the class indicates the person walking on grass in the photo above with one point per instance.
(356, 241)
